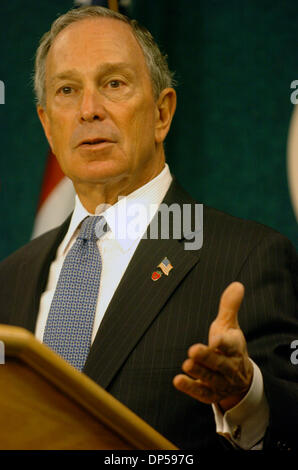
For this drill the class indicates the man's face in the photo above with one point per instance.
(100, 116)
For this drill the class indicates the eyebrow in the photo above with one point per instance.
(102, 69)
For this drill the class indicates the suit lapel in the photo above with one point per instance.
(135, 304)
(32, 276)
(138, 299)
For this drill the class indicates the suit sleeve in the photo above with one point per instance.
(269, 320)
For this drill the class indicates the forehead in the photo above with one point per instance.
(89, 42)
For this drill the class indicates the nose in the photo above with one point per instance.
(92, 108)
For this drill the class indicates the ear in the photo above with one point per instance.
(42, 114)
(165, 110)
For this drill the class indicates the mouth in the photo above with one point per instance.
(94, 142)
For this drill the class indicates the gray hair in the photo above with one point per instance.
(159, 72)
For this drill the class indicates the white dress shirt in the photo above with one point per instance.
(245, 424)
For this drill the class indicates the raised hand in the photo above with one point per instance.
(221, 372)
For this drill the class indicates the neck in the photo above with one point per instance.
(94, 194)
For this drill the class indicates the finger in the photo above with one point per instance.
(208, 377)
(229, 344)
(211, 359)
(231, 381)
(195, 389)
(231, 365)
(229, 305)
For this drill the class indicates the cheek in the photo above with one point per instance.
(60, 135)
(141, 126)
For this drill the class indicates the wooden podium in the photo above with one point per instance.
(45, 403)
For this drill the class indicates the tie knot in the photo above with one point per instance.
(93, 228)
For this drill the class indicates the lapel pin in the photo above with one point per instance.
(156, 275)
(165, 266)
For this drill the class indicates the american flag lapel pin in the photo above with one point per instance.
(165, 266)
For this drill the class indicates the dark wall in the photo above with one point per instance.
(23, 145)
(234, 63)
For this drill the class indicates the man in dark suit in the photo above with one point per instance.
(106, 103)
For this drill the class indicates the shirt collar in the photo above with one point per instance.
(129, 217)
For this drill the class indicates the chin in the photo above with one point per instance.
(99, 172)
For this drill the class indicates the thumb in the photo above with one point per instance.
(229, 305)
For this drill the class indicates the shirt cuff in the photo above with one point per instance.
(245, 424)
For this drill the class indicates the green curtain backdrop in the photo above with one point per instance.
(234, 64)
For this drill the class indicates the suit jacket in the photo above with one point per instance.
(149, 326)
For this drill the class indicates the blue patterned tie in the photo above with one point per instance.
(69, 325)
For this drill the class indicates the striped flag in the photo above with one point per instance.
(57, 196)
(165, 266)
(56, 200)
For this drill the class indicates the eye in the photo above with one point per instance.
(65, 90)
(115, 84)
